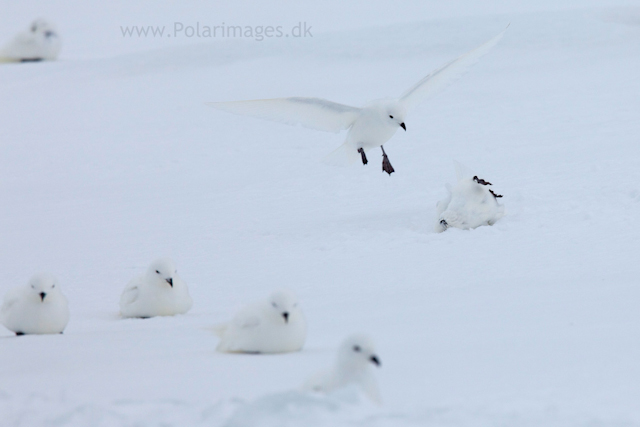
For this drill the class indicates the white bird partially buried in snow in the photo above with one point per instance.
(470, 203)
(160, 292)
(39, 307)
(40, 43)
(370, 126)
(274, 325)
(352, 367)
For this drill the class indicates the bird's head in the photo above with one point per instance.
(162, 272)
(357, 352)
(40, 26)
(42, 286)
(284, 304)
(394, 113)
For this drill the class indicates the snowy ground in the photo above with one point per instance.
(109, 158)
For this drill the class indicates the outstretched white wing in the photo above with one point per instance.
(446, 74)
(462, 171)
(314, 113)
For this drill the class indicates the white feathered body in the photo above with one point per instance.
(256, 329)
(468, 205)
(337, 378)
(41, 44)
(372, 128)
(142, 298)
(352, 367)
(24, 312)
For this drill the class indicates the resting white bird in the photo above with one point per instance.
(274, 325)
(370, 126)
(41, 42)
(39, 307)
(470, 203)
(352, 366)
(160, 292)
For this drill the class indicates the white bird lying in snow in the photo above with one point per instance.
(370, 126)
(352, 366)
(275, 325)
(160, 292)
(470, 203)
(40, 42)
(35, 308)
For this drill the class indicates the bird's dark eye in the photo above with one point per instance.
(356, 348)
(157, 272)
(391, 117)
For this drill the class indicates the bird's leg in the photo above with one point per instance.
(364, 156)
(386, 164)
(19, 333)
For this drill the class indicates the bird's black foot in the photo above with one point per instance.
(386, 164)
(481, 181)
(495, 195)
(19, 333)
(444, 224)
(364, 156)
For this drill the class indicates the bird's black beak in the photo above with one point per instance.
(170, 281)
(403, 126)
(42, 295)
(286, 317)
(374, 359)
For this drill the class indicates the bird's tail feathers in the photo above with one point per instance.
(218, 329)
(344, 155)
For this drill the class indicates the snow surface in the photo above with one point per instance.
(110, 159)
